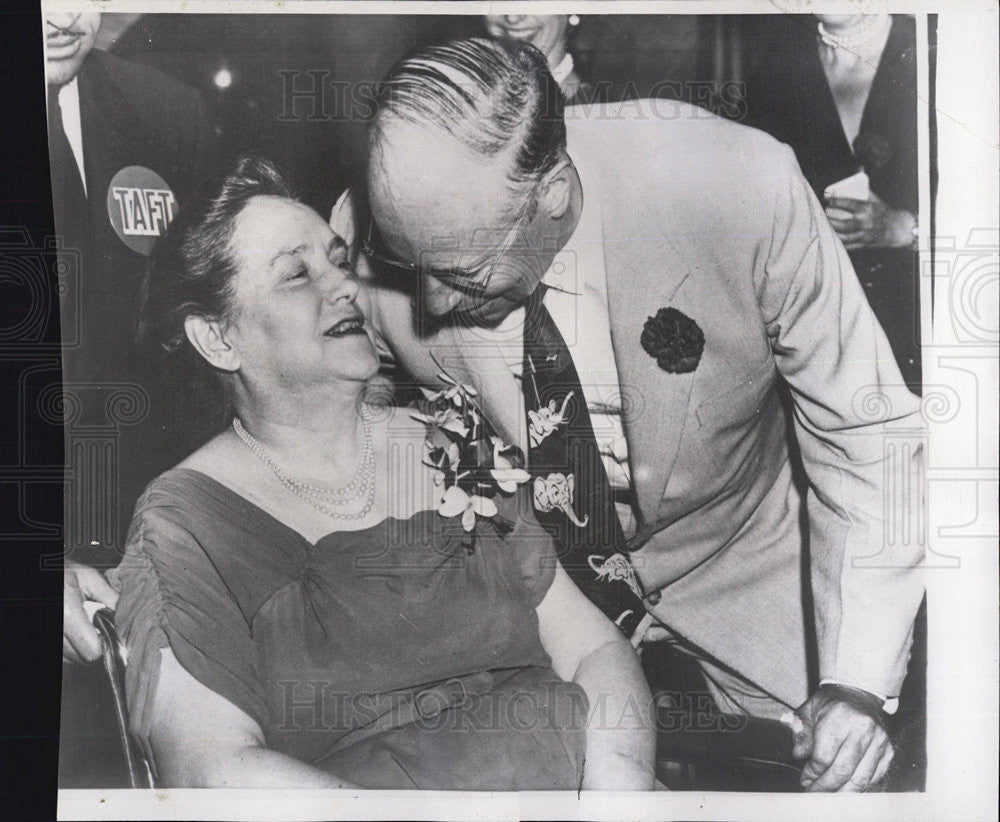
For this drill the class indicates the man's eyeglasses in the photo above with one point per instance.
(467, 280)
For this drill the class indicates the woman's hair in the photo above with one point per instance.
(192, 267)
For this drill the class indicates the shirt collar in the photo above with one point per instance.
(69, 106)
(564, 68)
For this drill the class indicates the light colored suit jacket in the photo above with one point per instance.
(716, 220)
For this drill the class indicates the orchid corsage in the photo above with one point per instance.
(472, 465)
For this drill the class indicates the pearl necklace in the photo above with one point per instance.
(319, 496)
(861, 34)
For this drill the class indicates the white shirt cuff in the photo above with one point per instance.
(889, 704)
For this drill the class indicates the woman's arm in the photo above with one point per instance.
(588, 649)
(202, 740)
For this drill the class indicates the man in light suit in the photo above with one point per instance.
(690, 271)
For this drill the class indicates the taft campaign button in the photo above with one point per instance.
(140, 207)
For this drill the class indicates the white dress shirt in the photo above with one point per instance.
(69, 107)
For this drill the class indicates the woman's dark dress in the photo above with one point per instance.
(789, 97)
(394, 629)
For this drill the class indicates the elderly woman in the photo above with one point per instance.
(296, 611)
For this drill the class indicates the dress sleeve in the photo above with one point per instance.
(172, 596)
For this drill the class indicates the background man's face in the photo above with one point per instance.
(438, 206)
(69, 37)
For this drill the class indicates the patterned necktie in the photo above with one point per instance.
(573, 497)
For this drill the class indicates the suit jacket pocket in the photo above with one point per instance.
(738, 405)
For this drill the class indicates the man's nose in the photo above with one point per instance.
(513, 19)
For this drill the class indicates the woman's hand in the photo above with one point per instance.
(588, 649)
(869, 223)
(80, 640)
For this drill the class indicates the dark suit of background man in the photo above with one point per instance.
(106, 114)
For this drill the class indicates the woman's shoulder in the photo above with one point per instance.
(187, 523)
(164, 528)
(189, 493)
(209, 458)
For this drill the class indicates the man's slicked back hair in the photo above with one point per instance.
(494, 98)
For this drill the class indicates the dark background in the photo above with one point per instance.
(319, 140)
(30, 599)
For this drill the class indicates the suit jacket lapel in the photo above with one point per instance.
(105, 130)
(645, 272)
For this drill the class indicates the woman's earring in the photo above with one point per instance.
(574, 20)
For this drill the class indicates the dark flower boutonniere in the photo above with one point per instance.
(674, 340)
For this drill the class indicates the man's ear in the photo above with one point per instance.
(557, 192)
(209, 340)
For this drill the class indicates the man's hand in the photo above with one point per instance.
(844, 740)
(80, 640)
(869, 223)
